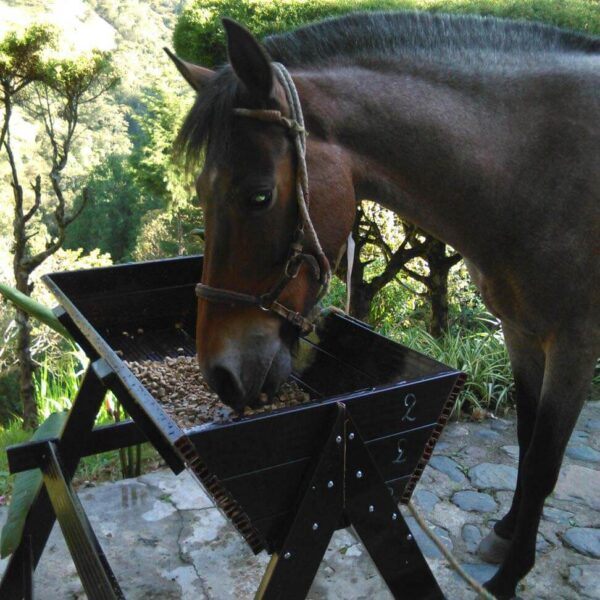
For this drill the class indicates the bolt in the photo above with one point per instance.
(409, 537)
(359, 474)
(287, 555)
(315, 526)
(371, 508)
(350, 436)
(394, 516)
(330, 484)
(338, 439)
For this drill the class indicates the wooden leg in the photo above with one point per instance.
(91, 564)
(347, 487)
(291, 571)
(28, 568)
(41, 517)
(380, 526)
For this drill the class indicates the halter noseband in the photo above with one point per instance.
(305, 231)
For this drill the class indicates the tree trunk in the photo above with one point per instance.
(438, 298)
(437, 287)
(21, 274)
(26, 368)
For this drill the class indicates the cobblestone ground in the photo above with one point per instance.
(165, 540)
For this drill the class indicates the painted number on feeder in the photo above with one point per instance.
(409, 401)
(401, 448)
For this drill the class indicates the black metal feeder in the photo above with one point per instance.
(346, 459)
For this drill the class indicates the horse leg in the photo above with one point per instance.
(567, 375)
(527, 361)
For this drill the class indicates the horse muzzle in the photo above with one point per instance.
(243, 369)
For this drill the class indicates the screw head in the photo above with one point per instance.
(371, 508)
(338, 439)
(287, 555)
(315, 526)
(394, 516)
(350, 436)
(359, 474)
(330, 484)
(409, 537)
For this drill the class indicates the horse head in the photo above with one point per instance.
(267, 246)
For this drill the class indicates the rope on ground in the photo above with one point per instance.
(482, 593)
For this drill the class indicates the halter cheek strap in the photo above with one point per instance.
(305, 232)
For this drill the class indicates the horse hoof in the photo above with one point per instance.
(497, 594)
(491, 587)
(493, 548)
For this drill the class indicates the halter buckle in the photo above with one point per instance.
(292, 267)
(263, 300)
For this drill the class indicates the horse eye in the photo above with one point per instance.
(262, 198)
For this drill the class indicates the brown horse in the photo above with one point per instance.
(483, 132)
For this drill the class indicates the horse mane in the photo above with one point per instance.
(207, 126)
(426, 35)
(471, 41)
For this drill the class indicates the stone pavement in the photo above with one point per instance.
(165, 540)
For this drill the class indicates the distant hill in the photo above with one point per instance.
(136, 30)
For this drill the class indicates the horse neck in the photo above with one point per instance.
(417, 144)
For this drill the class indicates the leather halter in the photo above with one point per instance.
(305, 231)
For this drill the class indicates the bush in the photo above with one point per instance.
(199, 35)
(481, 355)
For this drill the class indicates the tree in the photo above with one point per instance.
(170, 198)
(372, 233)
(54, 92)
(113, 212)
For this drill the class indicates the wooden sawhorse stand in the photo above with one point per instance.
(345, 488)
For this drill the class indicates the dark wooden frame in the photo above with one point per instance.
(368, 415)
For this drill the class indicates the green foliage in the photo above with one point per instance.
(480, 354)
(152, 157)
(140, 205)
(171, 212)
(9, 399)
(34, 309)
(49, 347)
(111, 220)
(199, 35)
(81, 79)
(12, 434)
(26, 487)
(56, 385)
(22, 55)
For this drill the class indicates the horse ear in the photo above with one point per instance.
(249, 59)
(195, 75)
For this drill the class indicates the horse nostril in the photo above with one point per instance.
(228, 387)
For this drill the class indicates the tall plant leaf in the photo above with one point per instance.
(27, 486)
(34, 309)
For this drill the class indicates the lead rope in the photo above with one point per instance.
(302, 189)
(473, 583)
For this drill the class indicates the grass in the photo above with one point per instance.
(13, 434)
(55, 388)
(482, 356)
